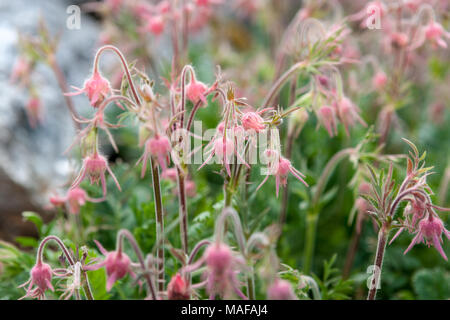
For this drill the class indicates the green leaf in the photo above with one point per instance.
(432, 284)
(27, 242)
(34, 218)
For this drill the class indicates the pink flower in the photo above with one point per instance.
(224, 149)
(190, 188)
(21, 70)
(434, 33)
(155, 24)
(253, 121)
(281, 290)
(76, 198)
(379, 80)
(34, 111)
(221, 270)
(116, 263)
(41, 276)
(170, 174)
(430, 232)
(399, 39)
(196, 90)
(327, 118)
(178, 289)
(348, 114)
(94, 167)
(281, 170)
(207, 3)
(96, 88)
(159, 147)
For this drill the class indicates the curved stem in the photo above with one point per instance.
(124, 66)
(278, 84)
(321, 183)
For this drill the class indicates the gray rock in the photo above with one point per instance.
(32, 160)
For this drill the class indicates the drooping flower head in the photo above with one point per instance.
(96, 88)
(34, 111)
(76, 198)
(117, 265)
(281, 290)
(280, 167)
(94, 167)
(379, 80)
(252, 121)
(155, 24)
(430, 231)
(434, 32)
(41, 278)
(348, 114)
(195, 90)
(327, 117)
(159, 147)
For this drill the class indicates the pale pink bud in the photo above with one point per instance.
(76, 198)
(379, 80)
(117, 265)
(281, 290)
(191, 189)
(159, 146)
(34, 111)
(253, 121)
(96, 88)
(155, 24)
(39, 282)
(170, 174)
(196, 90)
(218, 258)
(327, 118)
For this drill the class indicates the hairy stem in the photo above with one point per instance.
(378, 264)
(159, 223)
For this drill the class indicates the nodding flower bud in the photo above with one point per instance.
(177, 289)
(76, 198)
(434, 33)
(190, 188)
(96, 88)
(348, 114)
(41, 276)
(117, 265)
(94, 167)
(206, 3)
(170, 174)
(218, 258)
(155, 24)
(281, 290)
(158, 147)
(327, 118)
(379, 80)
(430, 232)
(253, 121)
(34, 111)
(196, 90)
